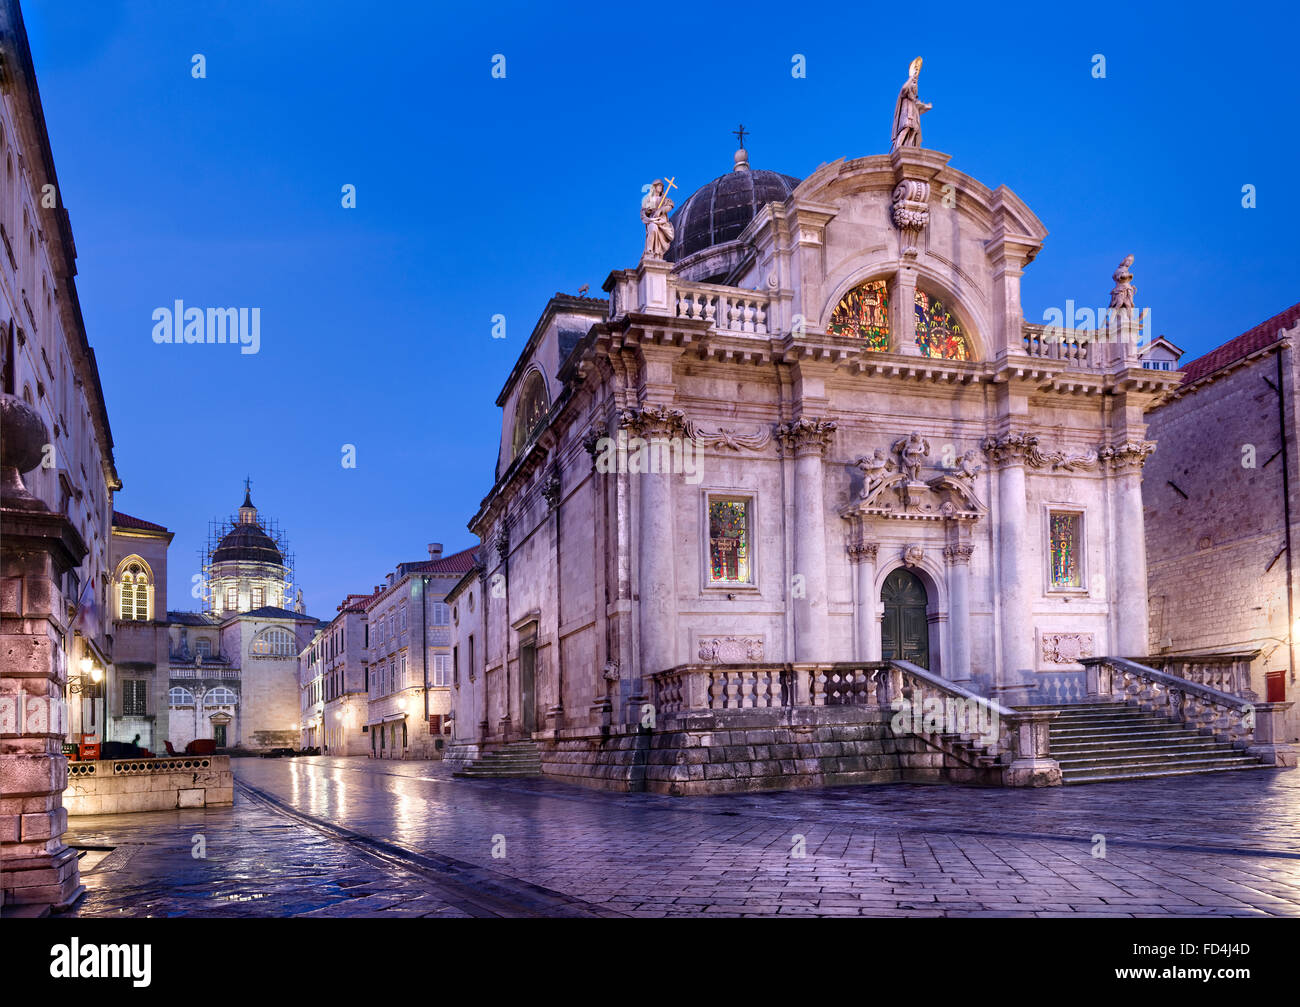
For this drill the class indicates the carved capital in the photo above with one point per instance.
(860, 552)
(1127, 457)
(954, 554)
(654, 422)
(551, 491)
(1022, 448)
(804, 436)
(591, 440)
(502, 541)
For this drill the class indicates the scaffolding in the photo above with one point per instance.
(218, 529)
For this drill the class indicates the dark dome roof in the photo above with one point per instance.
(719, 211)
(247, 543)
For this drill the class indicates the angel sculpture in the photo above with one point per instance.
(969, 465)
(874, 468)
(912, 452)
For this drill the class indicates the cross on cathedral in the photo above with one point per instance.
(739, 134)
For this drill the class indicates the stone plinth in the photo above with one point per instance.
(36, 866)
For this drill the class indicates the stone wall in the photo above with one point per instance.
(1215, 521)
(752, 750)
(114, 786)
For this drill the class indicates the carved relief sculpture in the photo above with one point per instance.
(731, 650)
(1066, 648)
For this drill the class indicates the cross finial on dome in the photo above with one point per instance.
(247, 512)
(742, 155)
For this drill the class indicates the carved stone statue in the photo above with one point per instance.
(874, 468)
(912, 452)
(655, 209)
(1121, 297)
(908, 110)
(969, 466)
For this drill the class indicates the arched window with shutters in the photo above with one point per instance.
(135, 590)
(273, 642)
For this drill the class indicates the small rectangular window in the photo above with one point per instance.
(730, 546)
(1065, 545)
(259, 597)
(133, 697)
(232, 599)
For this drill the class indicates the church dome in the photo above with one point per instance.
(719, 211)
(246, 542)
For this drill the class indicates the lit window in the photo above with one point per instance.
(134, 587)
(938, 333)
(273, 642)
(730, 559)
(259, 597)
(863, 313)
(232, 599)
(1065, 531)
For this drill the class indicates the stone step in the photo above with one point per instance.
(1116, 736)
(1107, 777)
(1192, 744)
(1133, 760)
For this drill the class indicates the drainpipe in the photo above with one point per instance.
(1286, 513)
(424, 642)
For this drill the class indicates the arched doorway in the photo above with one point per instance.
(904, 628)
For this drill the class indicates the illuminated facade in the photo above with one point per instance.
(838, 441)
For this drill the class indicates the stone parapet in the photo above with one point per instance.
(115, 786)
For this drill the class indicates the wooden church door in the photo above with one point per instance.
(905, 630)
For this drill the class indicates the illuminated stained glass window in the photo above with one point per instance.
(863, 313)
(1065, 545)
(938, 333)
(729, 545)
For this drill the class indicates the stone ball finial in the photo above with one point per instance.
(742, 159)
(23, 437)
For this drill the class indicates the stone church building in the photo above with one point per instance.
(807, 459)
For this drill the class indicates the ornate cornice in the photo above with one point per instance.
(804, 436)
(659, 422)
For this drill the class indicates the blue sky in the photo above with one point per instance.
(478, 196)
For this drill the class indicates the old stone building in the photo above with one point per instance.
(1222, 507)
(334, 679)
(408, 651)
(808, 457)
(229, 673)
(56, 495)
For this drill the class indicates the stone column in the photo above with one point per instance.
(1015, 581)
(807, 440)
(650, 466)
(38, 548)
(957, 557)
(1128, 594)
(863, 556)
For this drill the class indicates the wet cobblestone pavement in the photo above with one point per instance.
(359, 837)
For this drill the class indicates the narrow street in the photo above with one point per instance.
(359, 837)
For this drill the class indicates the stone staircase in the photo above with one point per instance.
(1099, 742)
(517, 758)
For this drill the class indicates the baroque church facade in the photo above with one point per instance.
(808, 434)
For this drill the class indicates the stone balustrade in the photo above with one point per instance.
(1071, 348)
(1238, 720)
(947, 716)
(727, 309)
(112, 786)
(1227, 672)
(205, 672)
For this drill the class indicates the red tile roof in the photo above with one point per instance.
(457, 563)
(1262, 335)
(121, 520)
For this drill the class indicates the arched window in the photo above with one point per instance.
(220, 696)
(863, 313)
(179, 696)
(134, 581)
(274, 642)
(938, 333)
(530, 411)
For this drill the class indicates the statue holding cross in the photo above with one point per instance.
(655, 208)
